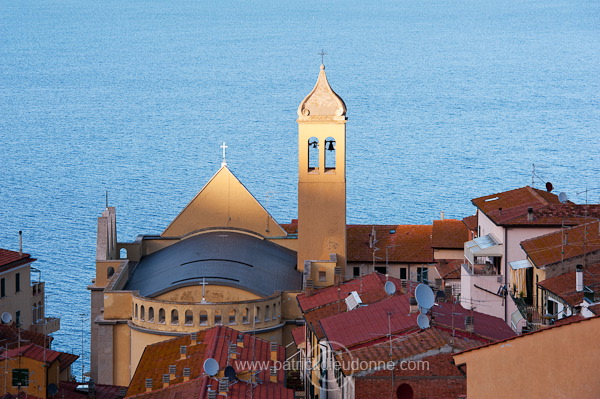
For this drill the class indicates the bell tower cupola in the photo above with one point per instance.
(322, 183)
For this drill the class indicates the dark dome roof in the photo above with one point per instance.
(225, 258)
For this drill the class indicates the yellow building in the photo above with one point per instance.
(224, 260)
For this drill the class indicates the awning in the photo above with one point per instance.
(482, 246)
(520, 264)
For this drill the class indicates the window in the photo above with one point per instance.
(322, 276)
(267, 313)
(218, 317)
(381, 269)
(422, 275)
(403, 273)
(123, 253)
(20, 377)
(136, 311)
(174, 317)
(142, 313)
(356, 271)
(257, 315)
(110, 271)
(18, 318)
(189, 318)
(203, 318)
(17, 282)
(245, 316)
(151, 315)
(2, 288)
(232, 316)
(404, 391)
(161, 316)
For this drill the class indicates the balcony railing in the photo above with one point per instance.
(46, 325)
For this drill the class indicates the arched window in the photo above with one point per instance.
(313, 154)
(136, 311)
(142, 313)
(218, 317)
(41, 310)
(151, 314)
(245, 316)
(123, 253)
(161, 316)
(34, 312)
(174, 317)
(232, 316)
(203, 318)
(189, 318)
(404, 391)
(110, 271)
(267, 313)
(257, 314)
(330, 152)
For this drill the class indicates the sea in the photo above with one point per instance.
(128, 102)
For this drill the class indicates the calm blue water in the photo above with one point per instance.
(447, 101)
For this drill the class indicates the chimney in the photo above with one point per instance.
(193, 339)
(414, 306)
(274, 351)
(212, 394)
(20, 243)
(148, 384)
(232, 350)
(310, 284)
(186, 374)
(337, 276)
(469, 323)
(183, 352)
(172, 371)
(579, 278)
(166, 379)
(223, 386)
(441, 215)
(240, 340)
(530, 214)
(273, 374)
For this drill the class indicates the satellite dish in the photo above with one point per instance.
(549, 187)
(425, 297)
(423, 321)
(211, 366)
(230, 373)
(6, 317)
(562, 197)
(390, 288)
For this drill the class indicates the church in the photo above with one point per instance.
(224, 260)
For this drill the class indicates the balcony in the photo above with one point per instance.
(46, 325)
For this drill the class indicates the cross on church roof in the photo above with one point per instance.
(224, 147)
(322, 54)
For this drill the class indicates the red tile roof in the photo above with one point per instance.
(10, 259)
(9, 335)
(471, 222)
(420, 342)
(564, 244)
(511, 208)
(35, 352)
(449, 270)
(370, 322)
(563, 286)
(68, 390)
(449, 233)
(452, 316)
(373, 282)
(299, 335)
(405, 243)
(212, 343)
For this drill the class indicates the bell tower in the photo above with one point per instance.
(322, 184)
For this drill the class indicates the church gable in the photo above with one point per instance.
(224, 202)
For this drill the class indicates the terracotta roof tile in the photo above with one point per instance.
(511, 208)
(471, 222)
(450, 315)
(449, 233)
(36, 352)
(449, 270)
(67, 390)
(405, 243)
(299, 335)
(563, 286)
(10, 259)
(564, 244)
(10, 333)
(371, 283)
